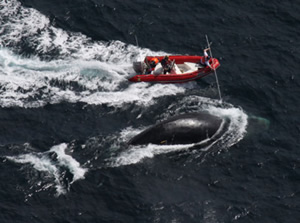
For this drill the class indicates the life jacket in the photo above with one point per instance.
(153, 62)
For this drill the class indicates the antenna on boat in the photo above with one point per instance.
(136, 41)
(208, 45)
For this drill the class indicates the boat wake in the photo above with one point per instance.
(30, 82)
(80, 69)
(21, 25)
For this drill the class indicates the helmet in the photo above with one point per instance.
(166, 57)
(154, 60)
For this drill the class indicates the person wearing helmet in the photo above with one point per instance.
(205, 59)
(166, 64)
(152, 64)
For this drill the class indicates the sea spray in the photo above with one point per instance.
(52, 163)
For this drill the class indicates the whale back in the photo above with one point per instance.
(180, 129)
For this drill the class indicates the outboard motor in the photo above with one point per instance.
(139, 67)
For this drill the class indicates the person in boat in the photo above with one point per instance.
(166, 63)
(152, 64)
(205, 59)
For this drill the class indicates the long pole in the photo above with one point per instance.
(214, 69)
(136, 41)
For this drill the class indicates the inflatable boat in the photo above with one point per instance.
(183, 69)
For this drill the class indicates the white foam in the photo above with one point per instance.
(69, 162)
(28, 82)
(140, 94)
(42, 163)
(99, 68)
(19, 23)
(238, 122)
(236, 130)
(136, 154)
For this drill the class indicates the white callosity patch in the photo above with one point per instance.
(52, 168)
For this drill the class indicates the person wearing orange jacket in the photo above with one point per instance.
(152, 64)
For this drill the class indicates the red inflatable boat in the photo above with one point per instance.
(183, 69)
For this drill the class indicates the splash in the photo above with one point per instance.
(139, 153)
(80, 69)
(30, 82)
(53, 164)
(19, 24)
(236, 130)
(71, 67)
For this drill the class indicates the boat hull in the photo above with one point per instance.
(178, 77)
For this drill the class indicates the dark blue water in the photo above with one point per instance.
(67, 112)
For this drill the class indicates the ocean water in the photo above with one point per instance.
(67, 112)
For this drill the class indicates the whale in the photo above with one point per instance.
(190, 128)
